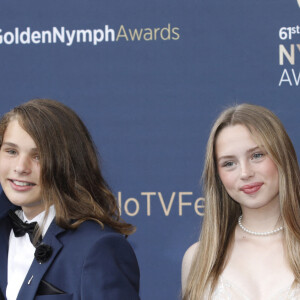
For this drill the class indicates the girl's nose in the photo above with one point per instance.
(246, 171)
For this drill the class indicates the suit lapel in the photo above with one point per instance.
(5, 228)
(37, 270)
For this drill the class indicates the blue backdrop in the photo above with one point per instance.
(148, 78)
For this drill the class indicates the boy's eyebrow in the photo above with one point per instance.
(15, 145)
(10, 144)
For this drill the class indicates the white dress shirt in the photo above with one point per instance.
(21, 253)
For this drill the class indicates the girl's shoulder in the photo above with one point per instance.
(187, 262)
(189, 254)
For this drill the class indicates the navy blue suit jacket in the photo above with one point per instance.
(89, 263)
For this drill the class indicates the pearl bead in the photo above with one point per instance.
(258, 233)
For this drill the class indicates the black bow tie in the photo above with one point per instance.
(20, 228)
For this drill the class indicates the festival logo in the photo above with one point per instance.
(94, 36)
(289, 50)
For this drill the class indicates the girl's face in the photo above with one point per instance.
(248, 174)
(20, 170)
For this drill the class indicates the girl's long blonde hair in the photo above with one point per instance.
(222, 212)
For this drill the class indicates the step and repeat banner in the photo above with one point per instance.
(149, 78)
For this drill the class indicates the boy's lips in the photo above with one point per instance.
(21, 185)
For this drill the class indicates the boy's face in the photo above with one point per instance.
(20, 170)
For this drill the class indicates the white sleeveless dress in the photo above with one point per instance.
(226, 290)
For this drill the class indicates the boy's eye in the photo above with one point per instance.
(11, 151)
(36, 157)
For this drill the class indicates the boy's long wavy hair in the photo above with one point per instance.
(221, 212)
(70, 174)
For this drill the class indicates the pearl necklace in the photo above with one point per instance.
(258, 233)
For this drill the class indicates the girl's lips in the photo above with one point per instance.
(20, 185)
(251, 188)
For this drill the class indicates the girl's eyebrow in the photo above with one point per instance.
(253, 149)
(225, 157)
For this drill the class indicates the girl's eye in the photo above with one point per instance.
(257, 155)
(228, 164)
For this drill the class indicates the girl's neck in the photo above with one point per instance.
(261, 221)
